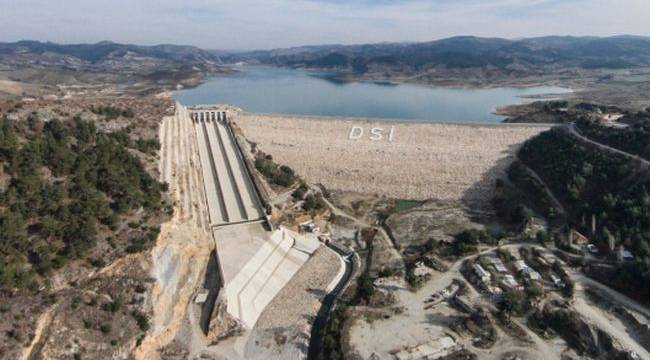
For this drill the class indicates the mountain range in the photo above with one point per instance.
(467, 52)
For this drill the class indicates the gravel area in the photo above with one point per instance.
(302, 295)
(423, 160)
(283, 329)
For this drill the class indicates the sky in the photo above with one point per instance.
(265, 24)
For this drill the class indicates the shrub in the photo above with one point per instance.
(113, 306)
(365, 287)
(142, 319)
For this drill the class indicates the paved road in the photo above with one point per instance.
(573, 130)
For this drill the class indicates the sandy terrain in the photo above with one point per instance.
(423, 160)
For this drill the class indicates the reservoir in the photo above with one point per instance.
(262, 89)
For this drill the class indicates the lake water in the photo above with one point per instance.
(260, 89)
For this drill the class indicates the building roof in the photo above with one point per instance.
(201, 297)
(520, 265)
(532, 274)
(578, 238)
(498, 264)
(500, 268)
(510, 282)
(432, 350)
(480, 271)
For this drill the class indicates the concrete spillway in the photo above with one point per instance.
(266, 273)
(230, 194)
(254, 264)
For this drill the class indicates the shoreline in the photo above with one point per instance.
(451, 83)
(393, 121)
(518, 100)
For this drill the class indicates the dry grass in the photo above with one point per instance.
(424, 161)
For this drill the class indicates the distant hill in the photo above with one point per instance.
(467, 52)
(105, 50)
(106, 62)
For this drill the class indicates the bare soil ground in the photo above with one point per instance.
(424, 160)
(180, 256)
(437, 220)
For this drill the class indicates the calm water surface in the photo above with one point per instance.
(261, 89)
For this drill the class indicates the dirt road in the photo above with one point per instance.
(573, 130)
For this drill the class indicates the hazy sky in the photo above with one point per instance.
(256, 24)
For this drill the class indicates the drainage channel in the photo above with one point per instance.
(329, 302)
(213, 283)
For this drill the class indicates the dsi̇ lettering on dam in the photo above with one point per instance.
(375, 133)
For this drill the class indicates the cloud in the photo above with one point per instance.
(250, 24)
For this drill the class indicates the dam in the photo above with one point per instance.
(265, 278)
(202, 161)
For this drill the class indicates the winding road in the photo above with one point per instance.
(573, 130)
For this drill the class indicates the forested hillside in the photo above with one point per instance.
(634, 139)
(610, 187)
(67, 187)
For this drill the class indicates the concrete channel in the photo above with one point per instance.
(231, 196)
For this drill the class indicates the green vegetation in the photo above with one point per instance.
(142, 320)
(67, 183)
(113, 306)
(522, 216)
(634, 139)
(360, 294)
(278, 175)
(468, 240)
(147, 146)
(314, 202)
(332, 349)
(542, 237)
(365, 287)
(300, 192)
(402, 204)
(513, 302)
(596, 183)
(112, 112)
(105, 328)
